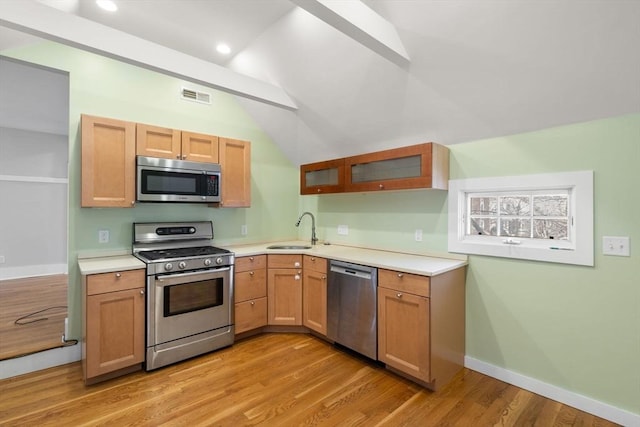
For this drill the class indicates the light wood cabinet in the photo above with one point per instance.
(322, 177)
(155, 141)
(314, 294)
(416, 166)
(284, 289)
(250, 293)
(108, 162)
(114, 322)
(235, 162)
(421, 328)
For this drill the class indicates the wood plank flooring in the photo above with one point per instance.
(274, 380)
(42, 331)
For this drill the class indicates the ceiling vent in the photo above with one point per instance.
(193, 95)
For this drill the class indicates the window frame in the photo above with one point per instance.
(578, 249)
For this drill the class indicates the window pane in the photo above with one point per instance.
(483, 205)
(550, 205)
(550, 229)
(515, 205)
(483, 226)
(515, 227)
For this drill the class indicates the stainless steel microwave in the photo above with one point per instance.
(166, 180)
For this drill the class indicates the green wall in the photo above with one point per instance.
(104, 87)
(574, 327)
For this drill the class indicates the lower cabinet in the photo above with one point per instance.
(114, 326)
(250, 293)
(421, 329)
(284, 289)
(314, 294)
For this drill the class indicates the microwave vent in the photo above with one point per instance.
(194, 95)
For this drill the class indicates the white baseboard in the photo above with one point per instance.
(7, 273)
(38, 361)
(553, 392)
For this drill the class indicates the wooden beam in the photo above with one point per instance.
(52, 24)
(358, 21)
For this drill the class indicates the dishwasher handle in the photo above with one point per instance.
(353, 271)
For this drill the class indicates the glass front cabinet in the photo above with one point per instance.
(417, 166)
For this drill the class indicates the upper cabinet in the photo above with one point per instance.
(108, 162)
(155, 141)
(235, 162)
(322, 177)
(417, 166)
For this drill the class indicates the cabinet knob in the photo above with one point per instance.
(141, 292)
(296, 264)
(313, 258)
(297, 277)
(253, 303)
(319, 190)
(324, 277)
(118, 275)
(251, 273)
(381, 186)
(399, 295)
(400, 275)
(178, 157)
(184, 157)
(133, 202)
(251, 258)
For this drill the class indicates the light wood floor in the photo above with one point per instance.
(21, 297)
(274, 380)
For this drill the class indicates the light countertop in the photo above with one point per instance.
(407, 263)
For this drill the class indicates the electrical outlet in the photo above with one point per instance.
(103, 236)
(343, 230)
(243, 230)
(418, 235)
(615, 245)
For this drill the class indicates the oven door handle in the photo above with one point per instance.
(176, 279)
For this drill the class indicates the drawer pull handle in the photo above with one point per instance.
(399, 295)
(251, 273)
(118, 275)
(400, 275)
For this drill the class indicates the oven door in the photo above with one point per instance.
(186, 304)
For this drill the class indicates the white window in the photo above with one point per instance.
(547, 217)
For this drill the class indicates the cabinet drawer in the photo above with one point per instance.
(285, 261)
(247, 263)
(314, 263)
(250, 314)
(116, 281)
(405, 282)
(251, 285)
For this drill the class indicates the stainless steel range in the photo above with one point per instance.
(189, 290)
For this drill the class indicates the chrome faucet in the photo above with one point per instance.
(314, 239)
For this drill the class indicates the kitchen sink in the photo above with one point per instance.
(288, 247)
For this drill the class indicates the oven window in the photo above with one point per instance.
(193, 296)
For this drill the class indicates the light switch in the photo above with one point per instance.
(615, 245)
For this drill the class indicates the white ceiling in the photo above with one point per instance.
(478, 68)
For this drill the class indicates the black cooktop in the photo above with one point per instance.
(182, 252)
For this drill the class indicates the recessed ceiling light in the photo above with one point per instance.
(223, 48)
(107, 5)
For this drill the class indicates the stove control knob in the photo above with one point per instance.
(182, 265)
(207, 262)
(219, 260)
(168, 266)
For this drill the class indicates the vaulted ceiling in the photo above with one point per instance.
(476, 68)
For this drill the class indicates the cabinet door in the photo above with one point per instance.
(154, 141)
(235, 161)
(403, 332)
(417, 166)
(197, 147)
(115, 331)
(322, 177)
(284, 296)
(108, 162)
(250, 315)
(314, 301)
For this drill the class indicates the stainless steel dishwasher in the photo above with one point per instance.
(352, 307)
